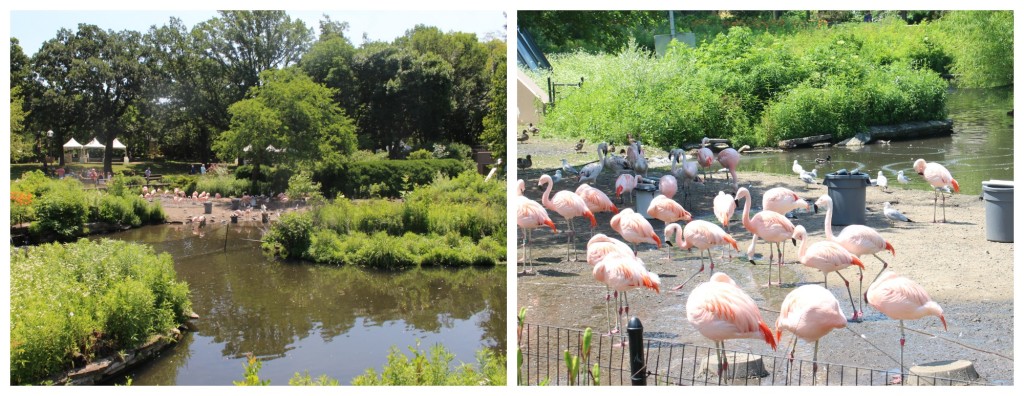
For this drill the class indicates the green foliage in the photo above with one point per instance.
(301, 186)
(118, 210)
(124, 185)
(394, 176)
(86, 298)
(433, 368)
(421, 154)
(252, 373)
(306, 380)
(226, 185)
(186, 183)
(756, 87)
(62, 210)
(456, 222)
(981, 45)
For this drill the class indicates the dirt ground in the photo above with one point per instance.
(970, 277)
(180, 212)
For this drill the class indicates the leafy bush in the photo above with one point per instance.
(381, 252)
(396, 175)
(301, 186)
(421, 154)
(70, 302)
(186, 183)
(226, 185)
(21, 207)
(118, 210)
(62, 210)
(434, 368)
(290, 237)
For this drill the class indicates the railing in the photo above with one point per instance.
(664, 362)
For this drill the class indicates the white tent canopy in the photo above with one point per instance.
(72, 144)
(119, 146)
(95, 144)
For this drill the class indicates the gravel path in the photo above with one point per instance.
(970, 277)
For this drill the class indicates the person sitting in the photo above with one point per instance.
(60, 173)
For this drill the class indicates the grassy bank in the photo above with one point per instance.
(454, 222)
(77, 302)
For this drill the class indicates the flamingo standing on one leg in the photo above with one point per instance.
(827, 256)
(621, 272)
(596, 201)
(530, 215)
(569, 205)
(598, 247)
(730, 159)
(634, 228)
(939, 177)
(859, 240)
(770, 226)
(625, 183)
(702, 235)
(809, 312)
(668, 211)
(902, 299)
(721, 311)
(668, 186)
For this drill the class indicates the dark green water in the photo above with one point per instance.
(337, 321)
(980, 149)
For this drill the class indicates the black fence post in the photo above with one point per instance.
(637, 366)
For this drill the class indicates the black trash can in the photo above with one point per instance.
(848, 193)
(207, 207)
(236, 203)
(998, 196)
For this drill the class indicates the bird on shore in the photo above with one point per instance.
(668, 186)
(724, 206)
(634, 228)
(568, 169)
(810, 312)
(774, 228)
(702, 235)
(782, 200)
(590, 172)
(882, 181)
(668, 211)
(859, 240)
(622, 272)
(809, 177)
(827, 256)
(730, 159)
(900, 177)
(530, 215)
(705, 156)
(569, 206)
(579, 145)
(902, 299)
(523, 137)
(721, 311)
(625, 183)
(938, 177)
(598, 247)
(532, 128)
(596, 201)
(797, 168)
(524, 163)
(894, 215)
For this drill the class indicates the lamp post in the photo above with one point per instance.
(44, 147)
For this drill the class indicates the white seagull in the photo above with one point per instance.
(901, 178)
(882, 181)
(894, 215)
(798, 169)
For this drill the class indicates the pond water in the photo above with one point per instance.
(298, 317)
(980, 149)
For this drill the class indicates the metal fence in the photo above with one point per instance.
(672, 363)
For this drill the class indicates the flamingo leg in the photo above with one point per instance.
(903, 340)
(856, 315)
(814, 365)
(943, 207)
(935, 204)
(608, 309)
(709, 259)
(884, 266)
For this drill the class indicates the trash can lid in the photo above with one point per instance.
(998, 183)
(645, 187)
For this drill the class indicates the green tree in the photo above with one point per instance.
(21, 146)
(329, 62)
(495, 124)
(291, 112)
(590, 31)
(982, 46)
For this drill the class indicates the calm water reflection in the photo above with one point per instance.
(337, 321)
(980, 149)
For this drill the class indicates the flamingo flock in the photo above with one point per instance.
(719, 309)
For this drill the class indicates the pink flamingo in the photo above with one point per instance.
(721, 311)
(702, 235)
(668, 186)
(809, 312)
(530, 215)
(687, 173)
(621, 272)
(598, 247)
(782, 200)
(902, 299)
(634, 228)
(520, 187)
(827, 256)
(939, 177)
(770, 226)
(724, 206)
(625, 184)
(705, 156)
(596, 201)
(668, 211)
(569, 205)
(730, 159)
(859, 240)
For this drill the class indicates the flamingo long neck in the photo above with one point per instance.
(828, 223)
(746, 211)
(545, 199)
(675, 160)
(803, 246)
